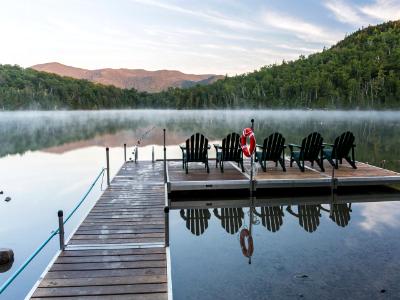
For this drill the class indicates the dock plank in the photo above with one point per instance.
(130, 211)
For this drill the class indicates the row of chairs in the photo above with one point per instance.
(312, 149)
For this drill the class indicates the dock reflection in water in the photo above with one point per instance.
(345, 247)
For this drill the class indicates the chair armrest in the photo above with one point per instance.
(328, 144)
(217, 146)
(291, 146)
(259, 146)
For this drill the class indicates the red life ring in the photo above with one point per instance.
(248, 252)
(248, 132)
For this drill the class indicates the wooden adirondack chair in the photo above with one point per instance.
(273, 149)
(195, 150)
(310, 150)
(231, 219)
(196, 220)
(308, 216)
(271, 217)
(341, 149)
(229, 151)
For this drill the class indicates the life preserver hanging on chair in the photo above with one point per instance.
(248, 151)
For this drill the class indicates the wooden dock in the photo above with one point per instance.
(118, 252)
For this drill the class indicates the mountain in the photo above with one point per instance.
(141, 80)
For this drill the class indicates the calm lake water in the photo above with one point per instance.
(49, 159)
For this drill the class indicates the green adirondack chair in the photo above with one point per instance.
(195, 150)
(271, 217)
(229, 151)
(196, 220)
(341, 149)
(310, 150)
(273, 149)
(231, 218)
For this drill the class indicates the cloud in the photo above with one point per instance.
(302, 29)
(345, 13)
(383, 10)
(380, 10)
(210, 16)
(379, 216)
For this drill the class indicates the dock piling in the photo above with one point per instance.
(166, 216)
(165, 160)
(251, 165)
(61, 229)
(108, 165)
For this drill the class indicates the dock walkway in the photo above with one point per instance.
(118, 251)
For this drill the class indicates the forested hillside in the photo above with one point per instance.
(362, 71)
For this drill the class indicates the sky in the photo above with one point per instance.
(214, 37)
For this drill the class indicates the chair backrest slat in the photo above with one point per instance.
(231, 149)
(311, 146)
(343, 144)
(273, 146)
(196, 147)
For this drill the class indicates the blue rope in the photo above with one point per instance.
(55, 232)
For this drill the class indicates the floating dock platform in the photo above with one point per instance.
(274, 178)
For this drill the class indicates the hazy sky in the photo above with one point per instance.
(220, 36)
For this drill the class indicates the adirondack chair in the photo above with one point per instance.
(196, 220)
(195, 150)
(310, 150)
(308, 216)
(341, 149)
(271, 217)
(229, 151)
(273, 149)
(339, 213)
(231, 219)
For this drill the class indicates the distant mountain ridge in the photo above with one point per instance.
(139, 79)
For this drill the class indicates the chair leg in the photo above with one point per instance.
(351, 162)
(208, 169)
(241, 164)
(282, 162)
(187, 167)
(320, 165)
(222, 167)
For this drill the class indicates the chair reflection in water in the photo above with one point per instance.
(196, 219)
(308, 215)
(231, 219)
(271, 217)
(339, 213)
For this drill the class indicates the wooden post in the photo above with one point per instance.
(124, 152)
(108, 165)
(165, 160)
(61, 229)
(166, 215)
(251, 165)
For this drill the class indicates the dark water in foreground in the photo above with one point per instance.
(48, 160)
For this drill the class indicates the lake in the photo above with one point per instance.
(49, 159)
